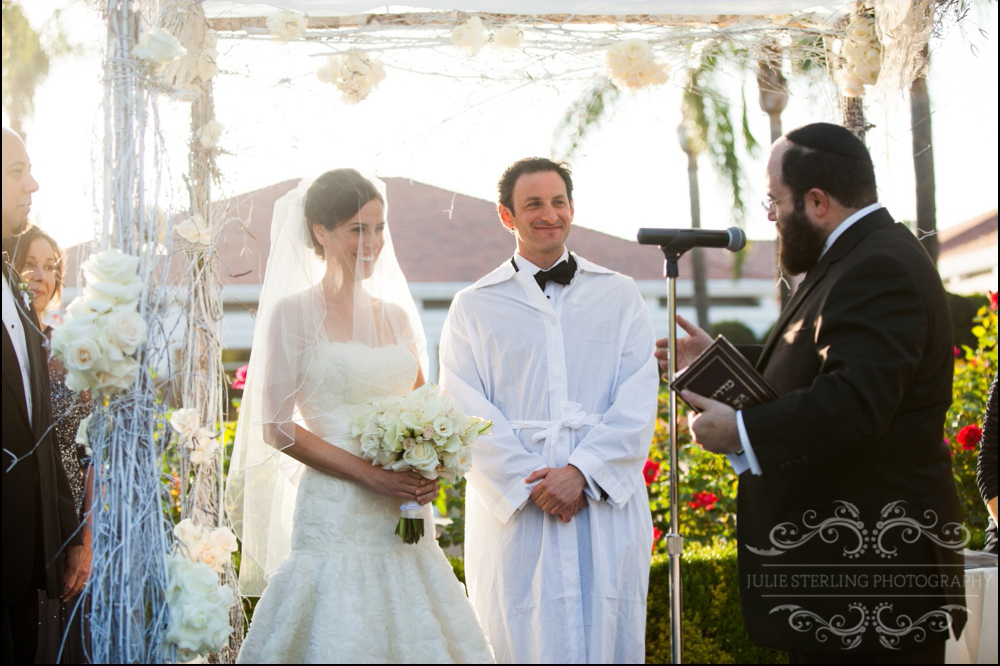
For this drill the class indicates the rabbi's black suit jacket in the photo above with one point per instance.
(862, 358)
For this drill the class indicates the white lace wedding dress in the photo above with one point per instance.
(351, 591)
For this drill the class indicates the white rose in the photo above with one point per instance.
(111, 266)
(354, 74)
(207, 67)
(458, 462)
(209, 134)
(190, 535)
(470, 35)
(186, 421)
(80, 381)
(82, 439)
(194, 230)
(422, 456)
(632, 63)
(158, 47)
(854, 51)
(371, 445)
(81, 354)
(208, 553)
(509, 37)
(224, 539)
(861, 29)
(101, 295)
(443, 427)
(204, 455)
(126, 330)
(287, 24)
(850, 85)
(117, 376)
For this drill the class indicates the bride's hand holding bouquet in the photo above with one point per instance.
(425, 435)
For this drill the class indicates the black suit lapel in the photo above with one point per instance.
(840, 248)
(37, 363)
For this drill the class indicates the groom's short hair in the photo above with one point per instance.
(505, 188)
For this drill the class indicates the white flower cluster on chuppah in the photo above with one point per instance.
(103, 328)
(862, 56)
(201, 443)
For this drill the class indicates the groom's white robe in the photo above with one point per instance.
(572, 384)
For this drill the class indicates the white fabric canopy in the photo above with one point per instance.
(216, 8)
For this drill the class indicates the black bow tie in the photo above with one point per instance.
(561, 273)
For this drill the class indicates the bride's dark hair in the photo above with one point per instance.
(334, 198)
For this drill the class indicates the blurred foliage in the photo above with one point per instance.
(736, 332)
(586, 114)
(27, 54)
(975, 367)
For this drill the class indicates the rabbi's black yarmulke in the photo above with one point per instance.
(831, 138)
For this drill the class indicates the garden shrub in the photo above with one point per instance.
(736, 332)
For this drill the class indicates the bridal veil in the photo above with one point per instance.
(354, 295)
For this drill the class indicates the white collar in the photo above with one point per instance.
(845, 225)
(525, 265)
(505, 271)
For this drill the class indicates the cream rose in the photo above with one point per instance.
(81, 354)
(422, 457)
(633, 64)
(287, 24)
(158, 47)
(198, 620)
(458, 462)
(126, 330)
(117, 376)
(111, 266)
(509, 37)
(194, 230)
(186, 421)
(208, 135)
(470, 35)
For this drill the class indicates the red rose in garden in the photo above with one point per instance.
(241, 378)
(969, 437)
(958, 353)
(650, 471)
(704, 500)
(993, 300)
(657, 533)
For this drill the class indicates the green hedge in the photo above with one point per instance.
(712, 630)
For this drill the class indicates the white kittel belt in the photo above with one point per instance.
(571, 417)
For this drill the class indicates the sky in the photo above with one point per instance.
(440, 118)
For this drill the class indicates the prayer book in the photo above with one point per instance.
(722, 373)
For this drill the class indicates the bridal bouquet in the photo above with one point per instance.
(422, 431)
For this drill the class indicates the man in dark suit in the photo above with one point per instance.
(848, 523)
(41, 541)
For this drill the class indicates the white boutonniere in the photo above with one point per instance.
(26, 294)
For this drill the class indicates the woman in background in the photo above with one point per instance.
(40, 262)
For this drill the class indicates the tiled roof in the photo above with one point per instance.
(443, 236)
(980, 231)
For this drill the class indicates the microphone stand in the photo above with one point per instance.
(672, 252)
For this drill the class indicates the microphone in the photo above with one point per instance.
(732, 239)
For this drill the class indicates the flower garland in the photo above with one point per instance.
(103, 328)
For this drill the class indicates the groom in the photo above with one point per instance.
(555, 351)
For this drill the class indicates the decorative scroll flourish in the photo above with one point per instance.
(804, 621)
(847, 521)
(878, 620)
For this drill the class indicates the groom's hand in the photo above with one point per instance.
(559, 491)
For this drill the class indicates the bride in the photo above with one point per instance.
(337, 328)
